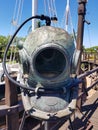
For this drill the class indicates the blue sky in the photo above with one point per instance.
(90, 32)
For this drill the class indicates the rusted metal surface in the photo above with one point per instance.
(46, 56)
(46, 60)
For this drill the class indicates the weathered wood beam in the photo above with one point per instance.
(11, 99)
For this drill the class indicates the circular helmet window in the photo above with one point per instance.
(49, 62)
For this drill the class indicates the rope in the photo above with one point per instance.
(13, 18)
(45, 7)
(65, 17)
(49, 8)
(89, 38)
(15, 9)
(21, 9)
(55, 11)
(19, 12)
(72, 28)
(63, 20)
(54, 8)
(16, 19)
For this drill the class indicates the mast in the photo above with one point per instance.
(80, 31)
(34, 12)
(67, 13)
(79, 41)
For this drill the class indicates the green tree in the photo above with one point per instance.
(4, 41)
(93, 49)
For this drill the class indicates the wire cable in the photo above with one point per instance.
(42, 17)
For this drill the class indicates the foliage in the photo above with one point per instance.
(40, 23)
(4, 41)
(91, 49)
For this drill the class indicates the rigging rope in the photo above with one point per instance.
(50, 9)
(45, 10)
(16, 19)
(15, 9)
(72, 28)
(54, 6)
(17, 12)
(89, 38)
(20, 12)
(66, 22)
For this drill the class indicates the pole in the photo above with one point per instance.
(34, 12)
(79, 41)
(67, 14)
(80, 31)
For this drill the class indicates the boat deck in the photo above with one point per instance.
(87, 119)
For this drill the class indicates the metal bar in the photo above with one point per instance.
(71, 126)
(88, 89)
(22, 121)
(46, 125)
(34, 12)
(87, 73)
(58, 124)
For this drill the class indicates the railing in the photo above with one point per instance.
(87, 74)
(90, 57)
(10, 57)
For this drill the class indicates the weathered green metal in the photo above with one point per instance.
(46, 55)
(48, 60)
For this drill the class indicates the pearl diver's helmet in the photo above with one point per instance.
(48, 59)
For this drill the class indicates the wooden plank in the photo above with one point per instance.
(11, 99)
(89, 118)
(4, 109)
(92, 99)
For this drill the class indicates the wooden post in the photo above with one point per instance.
(95, 58)
(11, 99)
(80, 32)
